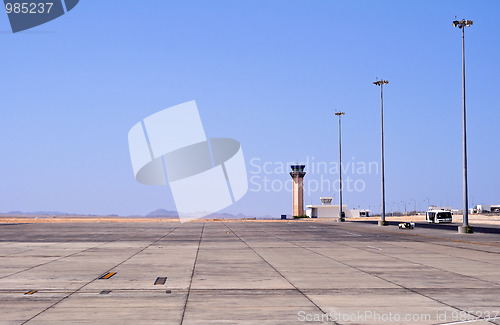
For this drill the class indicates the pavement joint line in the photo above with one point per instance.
(461, 257)
(374, 275)
(424, 295)
(86, 284)
(240, 289)
(25, 251)
(91, 292)
(421, 264)
(434, 237)
(323, 239)
(410, 261)
(457, 247)
(192, 275)
(478, 228)
(276, 270)
(450, 239)
(41, 291)
(389, 231)
(51, 261)
(66, 256)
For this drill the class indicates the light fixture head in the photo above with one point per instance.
(381, 82)
(462, 23)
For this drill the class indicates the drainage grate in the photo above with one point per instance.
(105, 292)
(107, 275)
(160, 280)
(31, 292)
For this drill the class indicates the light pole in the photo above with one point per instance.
(381, 83)
(341, 217)
(464, 228)
(396, 204)
(414, 205)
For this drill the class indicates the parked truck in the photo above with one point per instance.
(483, 208)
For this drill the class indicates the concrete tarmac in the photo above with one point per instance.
(283, 272)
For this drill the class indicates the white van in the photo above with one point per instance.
(438, 216)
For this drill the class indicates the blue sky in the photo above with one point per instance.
(267, 73)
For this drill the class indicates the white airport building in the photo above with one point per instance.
(484, 208)
(328, 210)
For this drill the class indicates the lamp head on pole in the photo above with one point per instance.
(462, 23)
(339, 113)
(381, 82)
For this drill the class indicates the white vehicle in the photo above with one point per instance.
(438, 216)
(407, 225)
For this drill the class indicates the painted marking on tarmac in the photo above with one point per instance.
(352, 234)
(31, 292)
(160, 280)
(379, 249)
(107, 275)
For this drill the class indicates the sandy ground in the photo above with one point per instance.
(473, 219)
(104, 219)
(42, 219)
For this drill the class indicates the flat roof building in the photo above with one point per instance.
(328, 210)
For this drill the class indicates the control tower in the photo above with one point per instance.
(297, 175)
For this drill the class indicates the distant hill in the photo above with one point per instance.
(159, 213)
(162, 213)
(224, 216)
(38, 213)
(229, 216)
